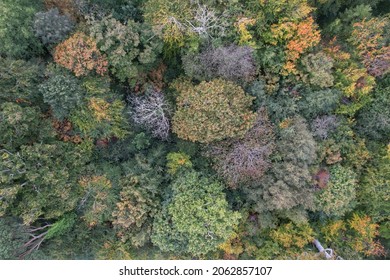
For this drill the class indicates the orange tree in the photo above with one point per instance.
(212, 111)
(80, 54)
(281, 31)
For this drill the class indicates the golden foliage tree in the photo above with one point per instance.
(212, 111)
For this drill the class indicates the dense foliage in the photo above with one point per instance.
(181, 129)
(211, 111)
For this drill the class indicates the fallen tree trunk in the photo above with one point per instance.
(327, 252)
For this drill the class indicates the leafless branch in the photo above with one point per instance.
(205, 22)
(245, 160)
(152, 112)
(37, 235)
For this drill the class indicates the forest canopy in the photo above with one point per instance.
(194, 129)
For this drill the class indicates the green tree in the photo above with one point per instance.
(280, 104)
(44, 178)
(139, 188)
(121, 10)
(21, 126)
(169, 17)
(97, 202)
(286, 189)
(339, 195)
(63, 93)
(131, 55)
(373, 120)
(16, 28)
(319, 67)
(19, 81)
(373, 192)
(354, 238)
(322, 102)
(51, 27)
(293, 235)
(133, 215)
(212, 111)
(12, 237)
(195, 219)
(177, 161)
(101, 118)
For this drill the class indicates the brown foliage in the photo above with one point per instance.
(64, 130)
(156, 77)
(66, 7)
(102, 143)
(322, 178)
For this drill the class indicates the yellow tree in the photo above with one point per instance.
(212, 111)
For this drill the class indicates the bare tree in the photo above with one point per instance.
(245, 160)
(152, 112)
(323, 125)
(206, 23)
(231, 62)
(37, 235)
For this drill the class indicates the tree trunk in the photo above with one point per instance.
(327, 252)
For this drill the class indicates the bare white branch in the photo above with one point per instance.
(152, 112)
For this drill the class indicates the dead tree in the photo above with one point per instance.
(205, 22)
(328, 253)
(245, 160)
(37, 235)
(152, 112)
